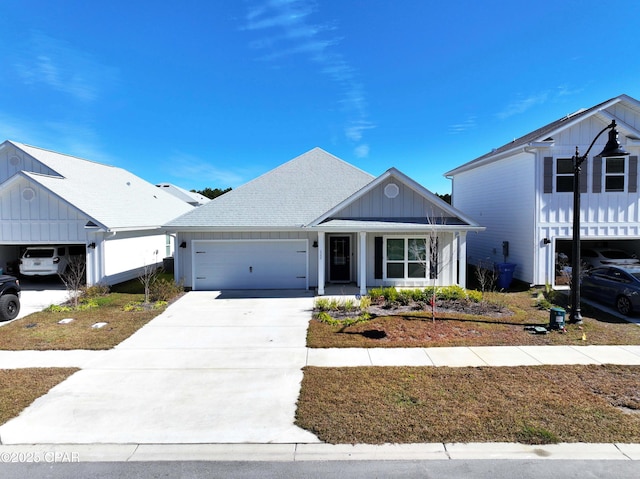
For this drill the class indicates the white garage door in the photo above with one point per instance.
(247, 264)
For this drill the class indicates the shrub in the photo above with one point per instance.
(376, 294)
(95, 291)
(390, 295)
(475, 296)
(164, 290)
(451, 293)
(365, 302)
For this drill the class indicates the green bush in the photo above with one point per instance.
(95, 291)
(164, 290)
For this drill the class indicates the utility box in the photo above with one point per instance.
(557, 318)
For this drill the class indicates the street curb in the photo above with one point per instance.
(71, 453)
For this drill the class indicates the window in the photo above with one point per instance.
(407, 258)
(564, 175)
(614, 174)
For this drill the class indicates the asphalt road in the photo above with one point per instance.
(483, 469)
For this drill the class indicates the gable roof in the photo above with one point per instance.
(545, 133)
(114, 198)
(289, 196)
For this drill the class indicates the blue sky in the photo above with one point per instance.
(213, 93)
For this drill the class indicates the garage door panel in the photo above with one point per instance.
(265, 264)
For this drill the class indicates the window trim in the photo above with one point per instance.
(430, 268)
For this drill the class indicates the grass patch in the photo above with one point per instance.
(459, 328)
(20, 387)
(41, 331)
(534, 405)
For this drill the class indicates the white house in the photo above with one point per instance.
(523, 192)
(317, 220)
(48, 198)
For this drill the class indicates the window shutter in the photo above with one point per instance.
(548, 174)
(597, 174)
(583, 176)
(633, 174)
(377, 265)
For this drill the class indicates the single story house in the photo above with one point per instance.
(523, 193)
(317, 220)
(113, 216)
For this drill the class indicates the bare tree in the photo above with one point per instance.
(74, 277)
(149, 275)
(486, 274)
(426, 253)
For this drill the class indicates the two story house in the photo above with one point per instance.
(523, 193)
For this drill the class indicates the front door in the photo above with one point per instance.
(340, 258)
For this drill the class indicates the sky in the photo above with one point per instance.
(213, 93)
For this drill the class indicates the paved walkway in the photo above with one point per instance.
(217, 378)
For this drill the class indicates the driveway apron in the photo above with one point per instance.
(213, 368)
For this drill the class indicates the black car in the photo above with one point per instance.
(9, 297)
(616, 285)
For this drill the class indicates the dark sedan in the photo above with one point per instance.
(615, 285)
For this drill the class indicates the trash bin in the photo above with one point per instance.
(556, 318)
(505, 274)
(167, 264)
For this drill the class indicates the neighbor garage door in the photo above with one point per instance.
(248, 264)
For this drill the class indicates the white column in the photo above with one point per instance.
(363, 263)
(321, 264)
(462, 258)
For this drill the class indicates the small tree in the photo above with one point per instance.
(74, 277)
(149, 275)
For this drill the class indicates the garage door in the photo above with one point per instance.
(260, 264)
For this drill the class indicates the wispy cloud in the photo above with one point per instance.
(64, 68)
(187, 166)
(523, 104)
(287, 29)
(465, 125)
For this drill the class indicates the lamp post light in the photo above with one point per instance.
(611, 149)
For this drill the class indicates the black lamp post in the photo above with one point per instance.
(612, 148)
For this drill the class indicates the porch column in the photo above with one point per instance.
(363, 263)
(462, 258)
(321, 263)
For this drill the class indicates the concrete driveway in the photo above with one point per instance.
(211, 369)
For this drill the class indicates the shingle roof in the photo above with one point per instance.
(191, 197)
(112, 196)
(289, 196)
(541, 134)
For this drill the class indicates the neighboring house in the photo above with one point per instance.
(191, 197)
(523, 193)
(317, 220)
(48, 198)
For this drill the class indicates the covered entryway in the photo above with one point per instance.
(339, 259)
(250, 264)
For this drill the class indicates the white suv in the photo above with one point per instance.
(46, 260)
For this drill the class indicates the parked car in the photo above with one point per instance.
(596, 257)
(615, 285)
(9, 297)
(47, 260)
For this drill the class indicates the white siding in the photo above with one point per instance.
(496, 196)
(13, 160)
(44, 218)
(408, 204)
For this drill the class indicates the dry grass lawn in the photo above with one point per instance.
(41, 331)
(20, 387)
(535, 405)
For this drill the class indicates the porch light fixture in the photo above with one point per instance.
(611, 149)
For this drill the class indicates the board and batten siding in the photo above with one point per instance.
(183, 265)
(30, 215)
(13, 160)
(375, 204)
(506, 189)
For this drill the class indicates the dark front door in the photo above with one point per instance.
(340, 258)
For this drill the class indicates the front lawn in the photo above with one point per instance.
(20, 387)
(501, 319)
(534, 405)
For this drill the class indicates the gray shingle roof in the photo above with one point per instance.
(541, 134)
(113, 197)
(289, 196)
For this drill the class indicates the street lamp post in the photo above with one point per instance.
(612, 148)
